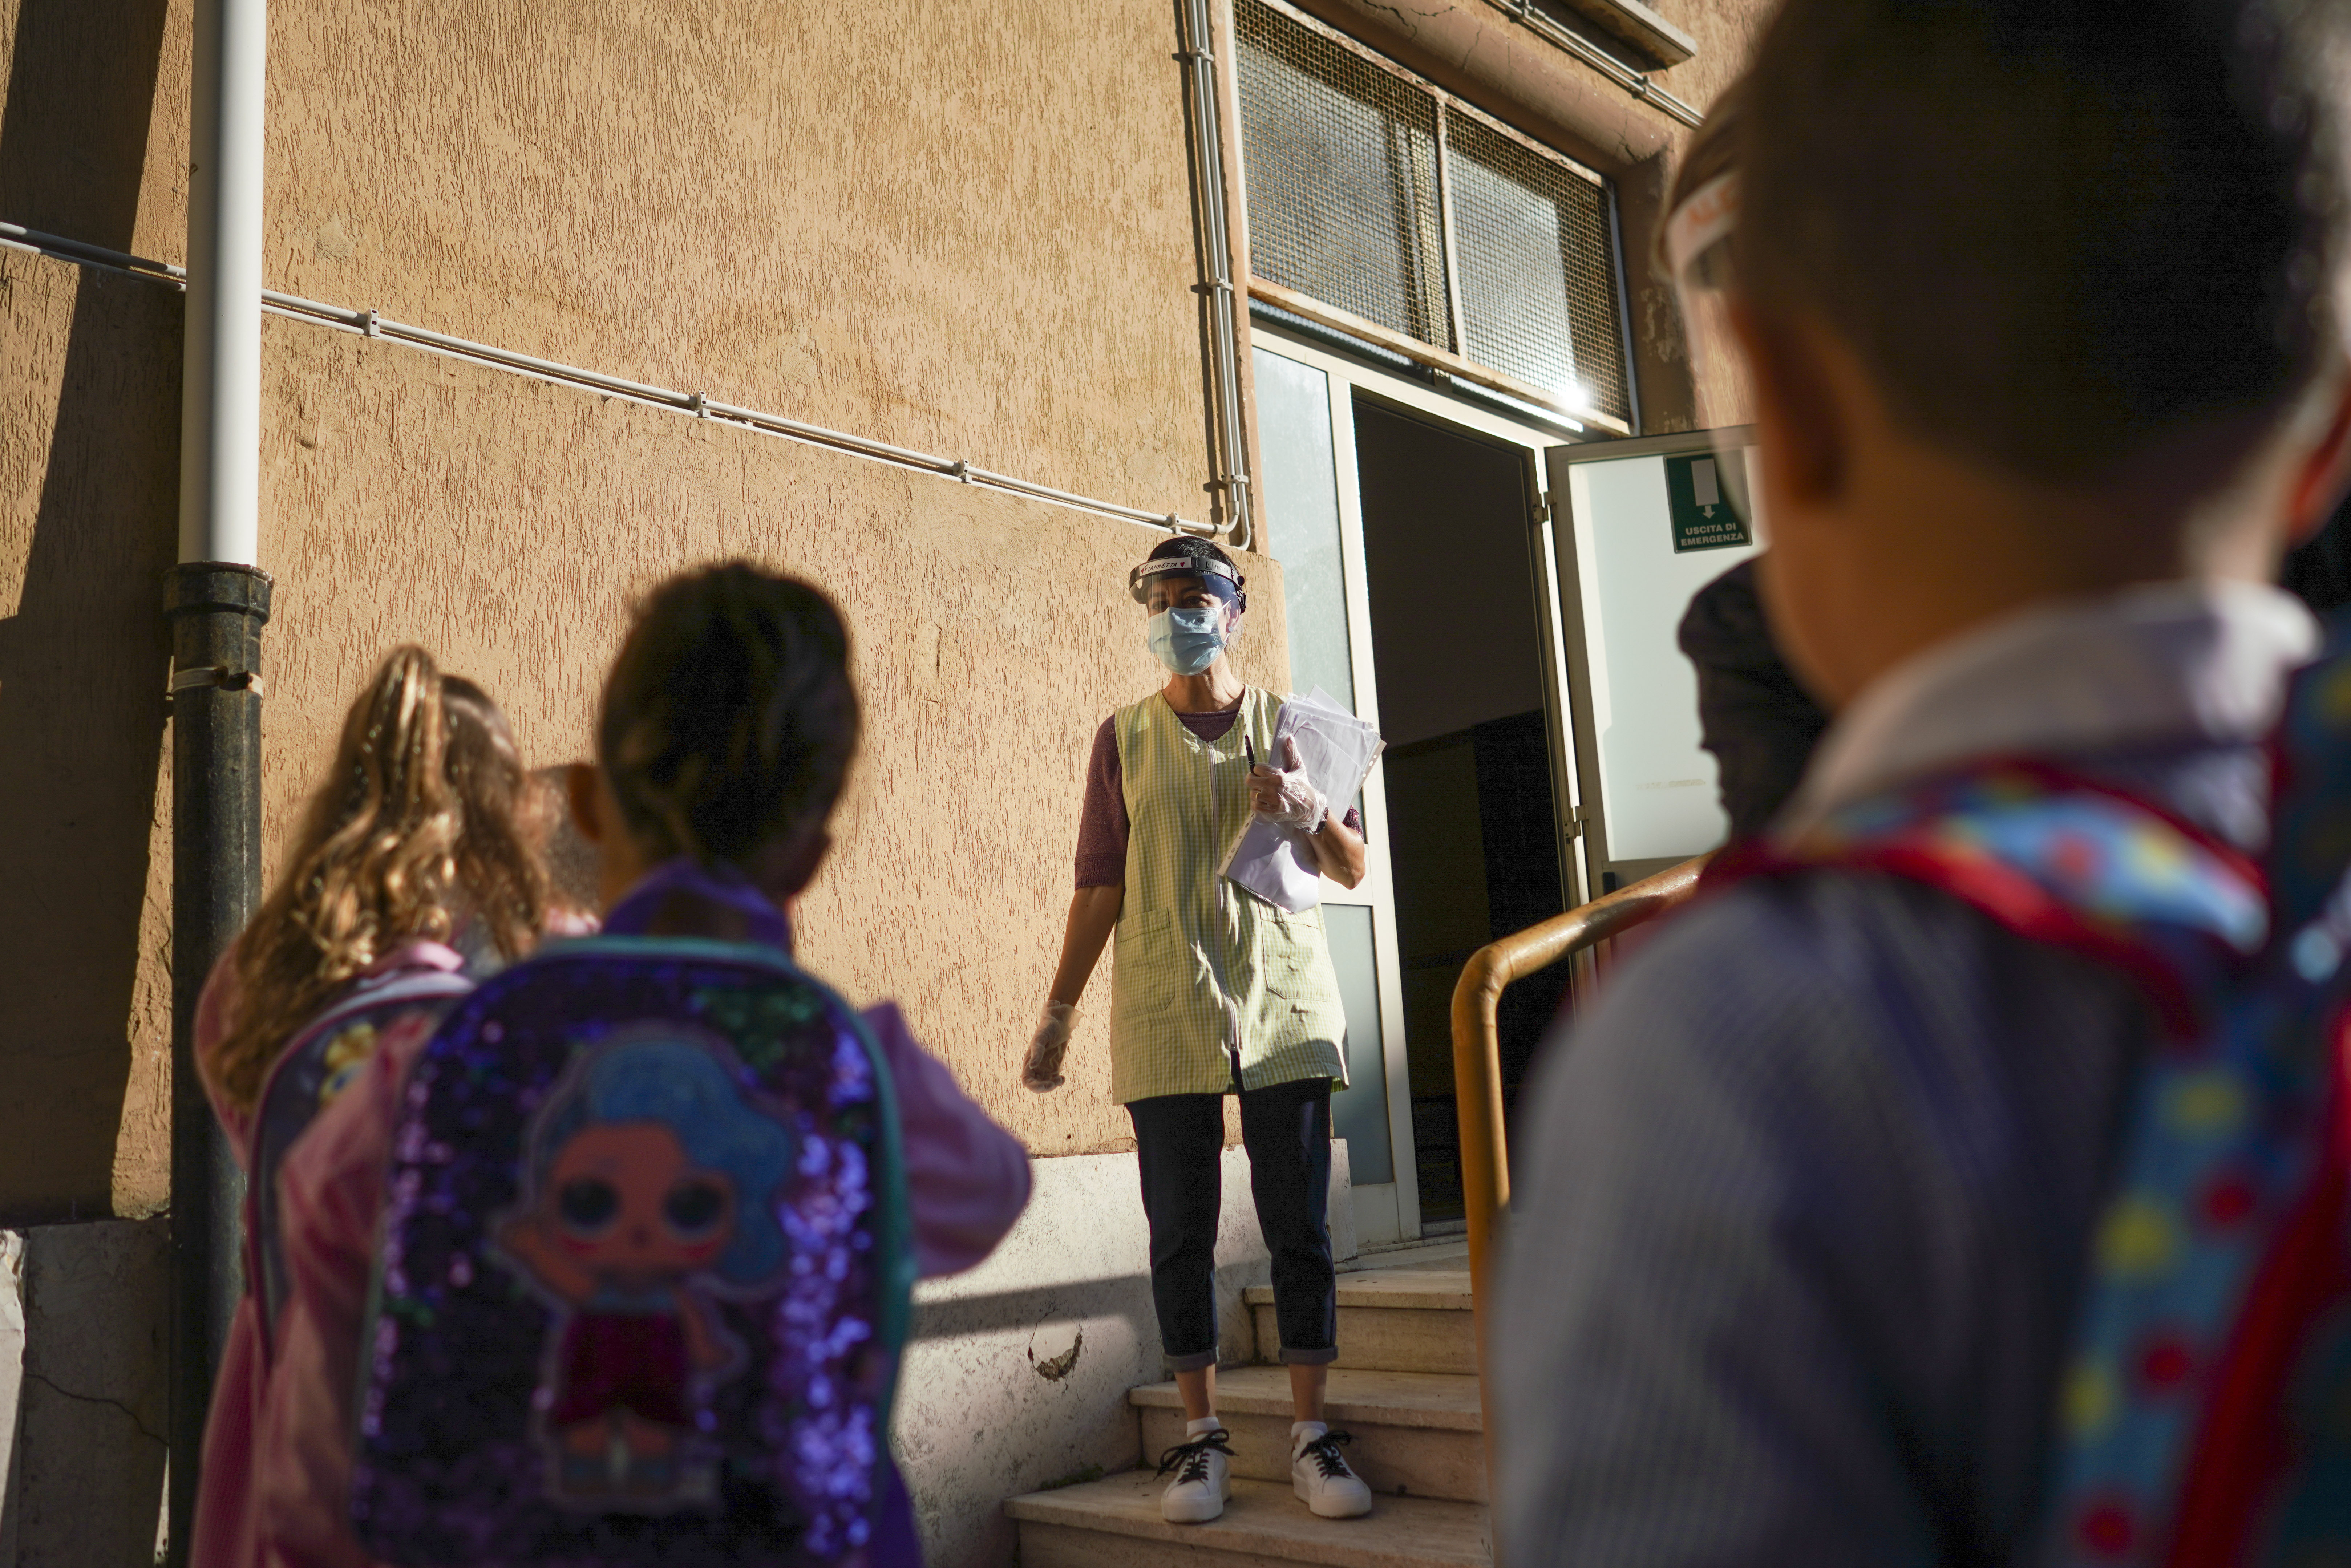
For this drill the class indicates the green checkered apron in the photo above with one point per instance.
(1205, 968)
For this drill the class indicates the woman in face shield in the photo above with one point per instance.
(1215, 991)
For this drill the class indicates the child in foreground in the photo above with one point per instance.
(2042, 305)
(418, 843)
(640, 1214)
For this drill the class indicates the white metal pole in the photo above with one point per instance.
(220, 395)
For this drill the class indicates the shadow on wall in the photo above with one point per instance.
(83, 648)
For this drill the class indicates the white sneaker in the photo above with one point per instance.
(1202, 1469)
(1319, 1474)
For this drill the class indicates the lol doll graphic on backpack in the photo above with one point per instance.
(644, 1271)
(651, 1186)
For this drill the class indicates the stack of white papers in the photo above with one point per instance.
(1337, 750)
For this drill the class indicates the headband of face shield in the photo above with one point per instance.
(1218, 577)
(1700, 258)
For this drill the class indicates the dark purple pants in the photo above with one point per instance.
(1179, 1140)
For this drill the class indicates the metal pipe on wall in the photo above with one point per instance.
(218, 600)
(1219, 337)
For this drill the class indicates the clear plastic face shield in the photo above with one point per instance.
(1699, 258)
(1194, 609)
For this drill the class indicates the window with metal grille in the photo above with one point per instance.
(1376, 194)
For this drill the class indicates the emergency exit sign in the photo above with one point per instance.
(1698, 495)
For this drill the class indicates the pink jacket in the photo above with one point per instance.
(276, 1459)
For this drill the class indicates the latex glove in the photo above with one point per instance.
(1042, 1071)
(1287, 796)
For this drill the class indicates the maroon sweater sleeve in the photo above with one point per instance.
(1103, 828)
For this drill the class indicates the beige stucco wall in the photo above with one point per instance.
(508, 525)
(1726, 31)
(93, 138)
(960, 228)
(89, 376)
(963, 231)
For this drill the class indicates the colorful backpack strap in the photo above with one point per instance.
(2269, 1478)
(315, 1067)
(2192, 1426)
(2056, 858)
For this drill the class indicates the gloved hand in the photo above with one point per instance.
(1042, 1071)
(1287, 796)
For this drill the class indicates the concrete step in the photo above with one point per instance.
(1392, 1320)
(1416, 1433)
(1114, 1523)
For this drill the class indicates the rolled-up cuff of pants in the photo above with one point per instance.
(1196, 1362)
(1308, 1357)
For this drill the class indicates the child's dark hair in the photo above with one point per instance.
(2053, 230)
(728, 720)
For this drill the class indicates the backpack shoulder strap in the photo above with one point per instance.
(2310, 783)
(2055, 857)
(308, 1074)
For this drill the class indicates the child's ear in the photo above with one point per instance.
(579, 788)
(2319, 489)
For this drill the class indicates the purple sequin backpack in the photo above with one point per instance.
(645, 1269)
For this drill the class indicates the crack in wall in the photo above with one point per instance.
(64, 1393)
(1407, 17)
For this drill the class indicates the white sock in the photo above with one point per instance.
(1304, 1432)
(1202, 1427)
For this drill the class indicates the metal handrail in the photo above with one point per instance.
(1478, 1066)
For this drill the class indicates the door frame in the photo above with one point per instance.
(1346, 379)
(1568, 593)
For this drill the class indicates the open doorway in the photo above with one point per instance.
(1473, 826)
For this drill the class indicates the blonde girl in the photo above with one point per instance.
(418, 847)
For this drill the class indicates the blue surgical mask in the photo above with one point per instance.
(1186, 641)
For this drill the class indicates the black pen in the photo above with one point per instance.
(1250, 748)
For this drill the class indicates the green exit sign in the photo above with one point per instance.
(1699, 491)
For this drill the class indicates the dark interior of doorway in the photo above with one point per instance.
(1473, 831)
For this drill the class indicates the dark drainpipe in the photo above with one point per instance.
(216, 612)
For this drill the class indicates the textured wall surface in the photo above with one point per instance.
(89, 480)
(962, 228)
(508, 525)
(1726, 31)
(93, 144)
(964, 231)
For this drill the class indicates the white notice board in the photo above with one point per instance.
(1647, 524)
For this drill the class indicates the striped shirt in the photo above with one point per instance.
(1806, 1196)
(1209, 981)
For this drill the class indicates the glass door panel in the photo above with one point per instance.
(1306, 435)
(1649, 523)
(1359, 1112)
